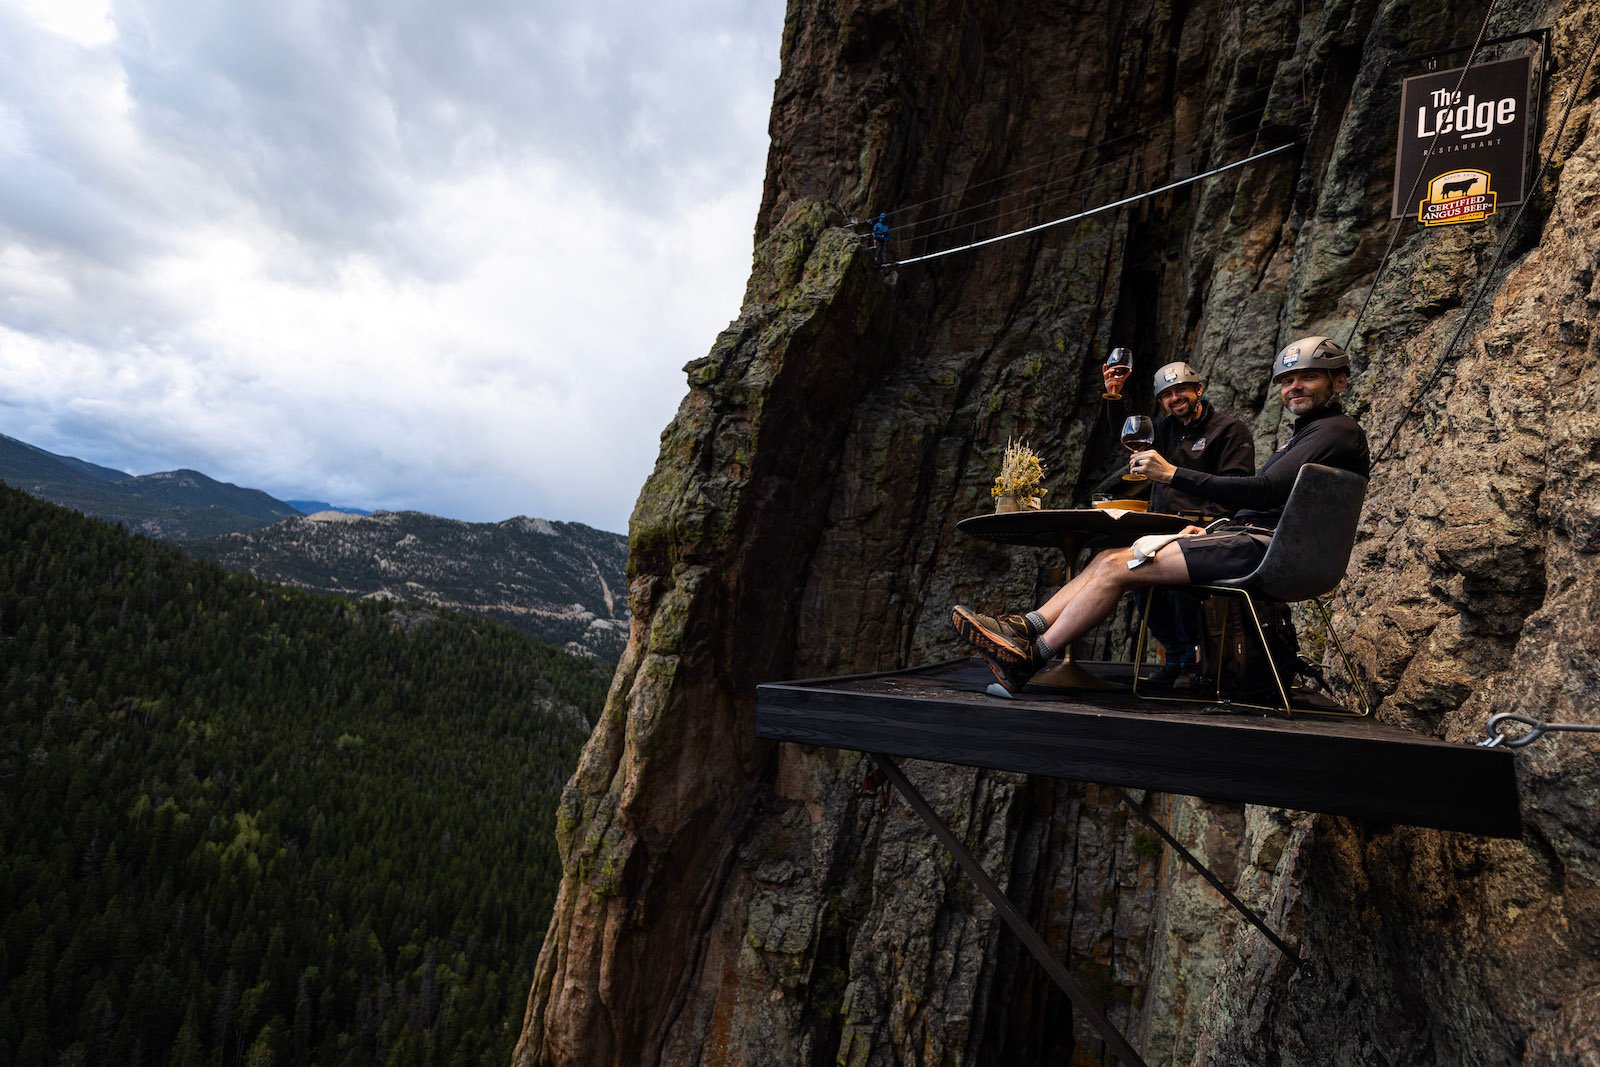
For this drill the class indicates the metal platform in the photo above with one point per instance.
(1354, 767)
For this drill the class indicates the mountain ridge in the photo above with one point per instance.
(563, 582)
(175, 505)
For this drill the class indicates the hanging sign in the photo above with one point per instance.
(1461, 151)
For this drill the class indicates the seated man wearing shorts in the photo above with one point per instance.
(1310, 375)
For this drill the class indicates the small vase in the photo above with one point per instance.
(1005, 505)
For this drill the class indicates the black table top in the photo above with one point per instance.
(1047, 529)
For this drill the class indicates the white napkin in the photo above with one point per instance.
(1147, 546)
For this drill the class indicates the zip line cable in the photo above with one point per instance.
(1034, 206)
(1096, 210)
(1076, 175)
(1073, 154)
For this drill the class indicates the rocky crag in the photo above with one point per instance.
(729, 901)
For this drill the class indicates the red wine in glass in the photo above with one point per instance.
(1138, 434)
(1121, 361)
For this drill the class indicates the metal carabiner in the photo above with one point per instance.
(1536, 730)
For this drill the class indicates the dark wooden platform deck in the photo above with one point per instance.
(1354, 767)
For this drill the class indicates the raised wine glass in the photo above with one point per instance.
(1138, 434)
(1121, 362)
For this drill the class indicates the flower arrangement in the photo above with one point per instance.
(1021, 476)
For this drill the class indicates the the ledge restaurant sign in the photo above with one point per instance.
(1461, 151)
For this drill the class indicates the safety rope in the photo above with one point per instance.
(1536, 729)
(1076, 175)
(907, 235)
(1077, 153)
(1097, 210)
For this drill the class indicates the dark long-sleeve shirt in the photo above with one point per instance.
(1326, 435)
(1213, 443)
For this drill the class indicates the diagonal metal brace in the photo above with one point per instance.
(1216, 883)
(1030, 938)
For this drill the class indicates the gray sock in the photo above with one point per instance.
(1036, 623)
(1045, 651)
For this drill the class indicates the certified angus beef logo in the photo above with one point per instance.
(1457, 128)
(1459, 196)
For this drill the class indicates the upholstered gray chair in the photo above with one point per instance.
(1305, 560)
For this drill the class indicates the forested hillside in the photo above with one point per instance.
(243, 824)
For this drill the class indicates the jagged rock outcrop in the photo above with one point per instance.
(728, 901)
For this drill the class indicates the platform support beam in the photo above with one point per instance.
(1205, 872)
(1030, 938)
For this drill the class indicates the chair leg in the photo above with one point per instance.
(1143, 643)
(1284, 706)
(1144, 638)
(1215, 659)
(1266, 651)
(1325, 616)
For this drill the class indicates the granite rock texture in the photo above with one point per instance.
(732, 902)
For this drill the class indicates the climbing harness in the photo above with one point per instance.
(1536, 730)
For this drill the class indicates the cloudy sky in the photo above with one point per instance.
(388, 253)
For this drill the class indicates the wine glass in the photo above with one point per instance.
(1120, 359)
(1138, 434)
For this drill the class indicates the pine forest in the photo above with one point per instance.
(244, 825)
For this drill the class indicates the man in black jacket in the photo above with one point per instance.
(1193, 435)
(1310, 375)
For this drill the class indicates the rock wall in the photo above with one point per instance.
(729, 901)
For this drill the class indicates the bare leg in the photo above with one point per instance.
(1051, 609)
(1090, 597)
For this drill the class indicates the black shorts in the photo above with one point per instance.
(1212, 557)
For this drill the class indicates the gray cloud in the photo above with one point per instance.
(395, 254)
(323, 119)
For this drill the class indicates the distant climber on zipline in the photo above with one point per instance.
(880, 240)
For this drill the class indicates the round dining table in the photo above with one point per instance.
(1071, 530)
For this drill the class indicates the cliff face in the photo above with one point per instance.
(729, 901)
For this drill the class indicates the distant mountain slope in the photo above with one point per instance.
(173, 505)
(28, 461)
(243, 824)
(563, 582)
(312, 507)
